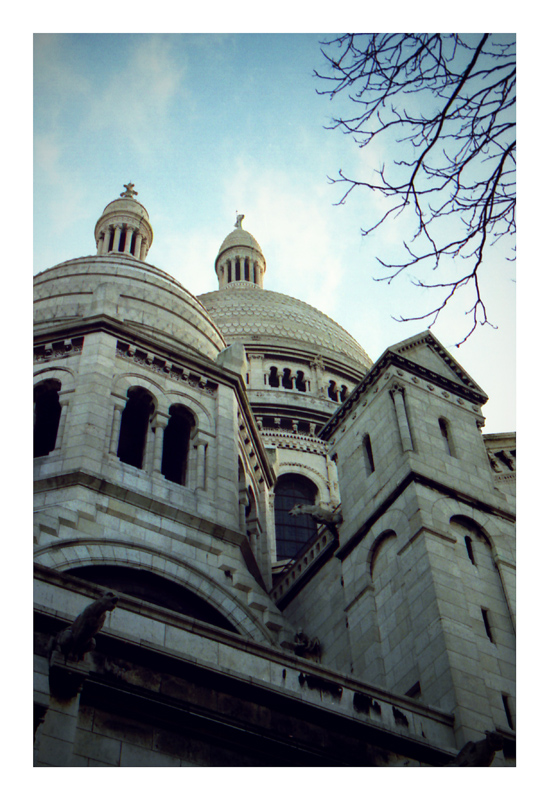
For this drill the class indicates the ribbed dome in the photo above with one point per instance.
(270, 318)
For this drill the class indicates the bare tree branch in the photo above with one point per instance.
(446, 103)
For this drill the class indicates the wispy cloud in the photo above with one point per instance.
(135, 103)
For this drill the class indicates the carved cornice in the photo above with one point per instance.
(169, 369)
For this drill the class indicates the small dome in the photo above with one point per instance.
(239, 238)
(127, 205)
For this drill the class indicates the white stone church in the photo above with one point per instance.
(286, 555)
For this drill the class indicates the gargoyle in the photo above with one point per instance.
(308, 648)
(78, 639)
(324, 516)
(478, 754)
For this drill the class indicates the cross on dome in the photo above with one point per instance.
(129, 190)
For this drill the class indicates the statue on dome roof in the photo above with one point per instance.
(239, 218)
(129, 190)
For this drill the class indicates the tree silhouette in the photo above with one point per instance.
(445, 103)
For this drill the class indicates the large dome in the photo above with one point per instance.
(267, 319)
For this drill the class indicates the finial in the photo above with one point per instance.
(239, 218)
(129, 190)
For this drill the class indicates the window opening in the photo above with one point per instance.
(47, 416)
(134, 426)
(175, 448)
(122, 240)
(111, 239)
(132, 246)
(469, 546)
(229, 272)
(292, 533)
(237, 270)
(368, 456)
(247, 270)
(274, 380)
(505, 700)
(300, 384)
(343, 393)
(332, 391)
(487, 624)
(287, 381)
(445, 431)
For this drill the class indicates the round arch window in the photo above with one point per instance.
(292, 533)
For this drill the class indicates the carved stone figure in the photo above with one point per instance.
(324, 516)
(478, 754)
(78, 639)
(308, 648)
(239, 218)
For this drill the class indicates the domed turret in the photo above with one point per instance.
(124, 227)
(240, 262)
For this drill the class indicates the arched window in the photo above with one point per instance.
(332, 391)
(447, 436)
(293, 532)
(237, 270)
(134, 426)
(47, 413)
(175, 450)
(287, 380)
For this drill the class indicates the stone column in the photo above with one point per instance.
(115, 433)
(128, 242)
(138, 240)
(201, 465)
(105, 244)
(160, 426)
(117, 234)
(397, 393)
(61, 427)
(144, 250)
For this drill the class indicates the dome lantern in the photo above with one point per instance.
(240, 262)
(124, 227)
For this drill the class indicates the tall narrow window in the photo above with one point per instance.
(300, 384)
(293, 532)
(229, 272)
(447, 436)
(332, 391)
(247, 269)
(134, 426)
(132, 246)
(47, 415)
(469, 546)
(368, 455)
(507, 710)
(237, 270)
(175, 448)
(487, 626)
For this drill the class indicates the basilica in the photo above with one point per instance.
(253, 545)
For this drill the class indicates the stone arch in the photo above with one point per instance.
(68, 554)
(444, 509)
(62, 374)
(204, 421)
(376, 547)
(124, 381)
(320, 481)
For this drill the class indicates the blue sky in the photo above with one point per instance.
(208, 124)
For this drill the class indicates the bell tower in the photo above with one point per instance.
(124, 227)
